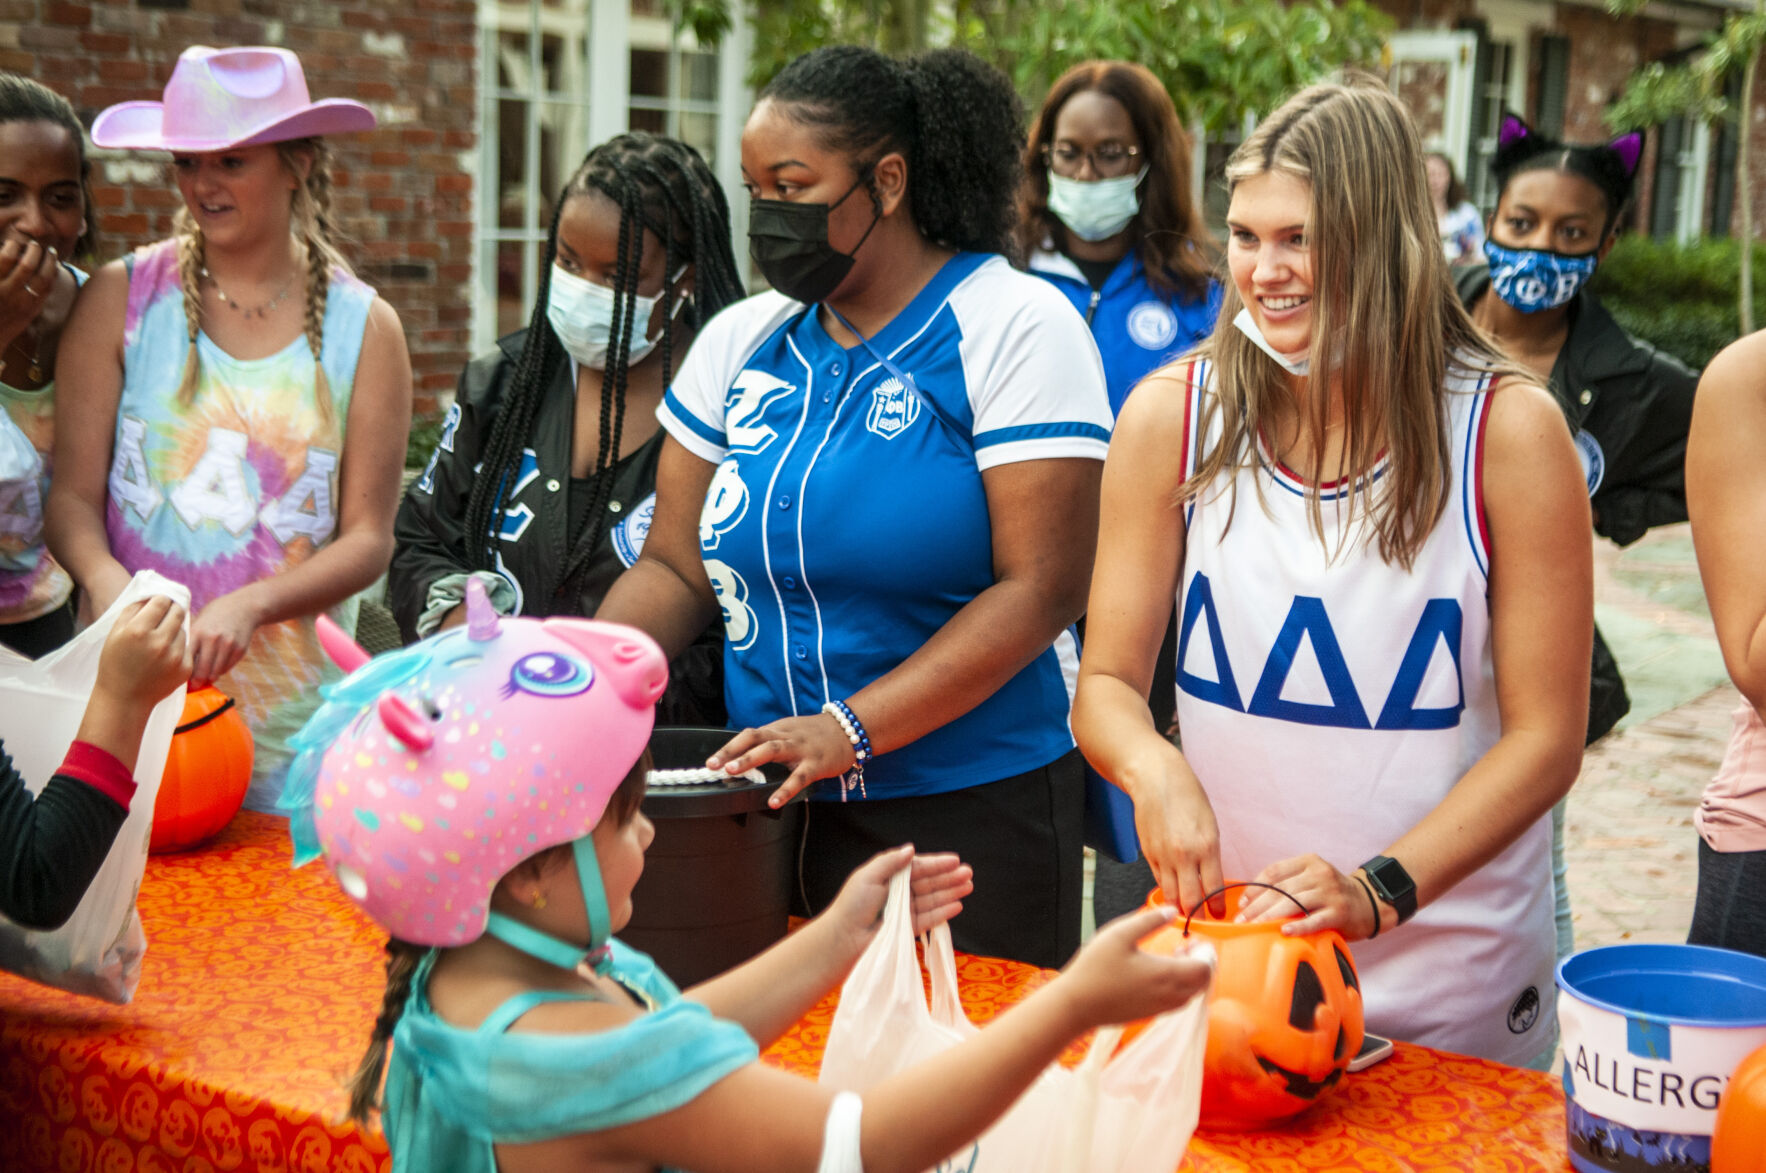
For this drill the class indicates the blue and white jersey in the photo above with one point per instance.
(1329, 700)
(1138, 329)
(847, 521)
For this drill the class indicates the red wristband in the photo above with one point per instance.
(99, 769)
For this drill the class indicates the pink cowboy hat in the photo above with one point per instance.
(223, 98)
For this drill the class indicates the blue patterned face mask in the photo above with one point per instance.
(1533, 279)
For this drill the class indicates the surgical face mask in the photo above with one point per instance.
(789, 244)
(1098, 209)
(581, 314)
(1534, 279)
(1295, 364)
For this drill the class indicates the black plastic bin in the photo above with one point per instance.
(716, 888)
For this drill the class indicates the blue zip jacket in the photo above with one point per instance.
(1137, 328)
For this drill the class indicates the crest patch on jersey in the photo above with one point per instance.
(629, 534)
(893, 409)
(1152, 325)
(1594, 461)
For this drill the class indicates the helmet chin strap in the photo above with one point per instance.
(553, 950)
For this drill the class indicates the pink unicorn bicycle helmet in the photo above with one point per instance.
(430, 772)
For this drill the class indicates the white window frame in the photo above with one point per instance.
(605, 94)
(1695, 167)
(1454, 50)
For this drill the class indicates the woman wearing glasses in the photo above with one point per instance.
(1107, 218)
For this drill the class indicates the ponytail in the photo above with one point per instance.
(956, 120)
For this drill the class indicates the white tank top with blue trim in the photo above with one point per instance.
(1329, 700)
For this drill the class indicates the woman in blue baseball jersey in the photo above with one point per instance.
(897, 452)
(1108, 220)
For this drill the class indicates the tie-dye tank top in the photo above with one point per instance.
(237, 487)
(32, 584)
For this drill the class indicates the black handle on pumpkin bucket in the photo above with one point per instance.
(218, 711)
(1203, 903)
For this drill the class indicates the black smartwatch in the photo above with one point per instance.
(1393, 884)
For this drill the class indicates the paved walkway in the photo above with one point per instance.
(1630, 843)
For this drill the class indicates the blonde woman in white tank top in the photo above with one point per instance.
(1376, 532)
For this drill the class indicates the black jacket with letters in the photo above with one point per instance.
(432, 544)
(1629, 406)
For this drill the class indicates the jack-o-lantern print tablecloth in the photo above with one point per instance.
(260, 985)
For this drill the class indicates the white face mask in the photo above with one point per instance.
(1098, 209)
(581, 314)
(1295, 364)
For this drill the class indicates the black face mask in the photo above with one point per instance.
(789, 242)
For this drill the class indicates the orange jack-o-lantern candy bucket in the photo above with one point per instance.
(1284, 1017)
(208, 769)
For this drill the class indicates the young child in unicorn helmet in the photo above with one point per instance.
(477, 794)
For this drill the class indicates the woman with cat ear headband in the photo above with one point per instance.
(1628, 404)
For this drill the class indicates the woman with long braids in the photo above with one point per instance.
(234, 401)
(884, 473)
(45, 222)
(540, 487)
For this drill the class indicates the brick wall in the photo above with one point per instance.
(404, 192)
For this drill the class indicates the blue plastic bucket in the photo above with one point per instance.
(1651, 1034)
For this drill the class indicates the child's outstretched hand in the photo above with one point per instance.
(146, 655)
(939, 884)
(1113, 980)
(145, 658)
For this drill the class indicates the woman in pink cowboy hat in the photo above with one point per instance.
(210, 383)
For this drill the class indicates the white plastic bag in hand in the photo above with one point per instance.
(1132, 1113)
(21, 500)
(98, 951)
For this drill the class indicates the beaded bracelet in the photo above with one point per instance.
(861, 746)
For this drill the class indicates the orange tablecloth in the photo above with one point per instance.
(260, 985)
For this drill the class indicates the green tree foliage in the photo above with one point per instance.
(1697, 89)
(1219, 58)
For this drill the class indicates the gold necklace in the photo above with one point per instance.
(33, 372)
(261, 311)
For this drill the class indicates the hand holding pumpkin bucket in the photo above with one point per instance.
(1285, 1016)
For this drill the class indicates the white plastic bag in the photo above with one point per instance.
(98, 951)
(21, 500)
(1131, 1113)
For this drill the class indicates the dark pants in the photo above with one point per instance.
(1730, 911)
(1022, 835)
(38, 637)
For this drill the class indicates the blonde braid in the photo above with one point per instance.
(312, 208)
(318, 290)
(190, 264)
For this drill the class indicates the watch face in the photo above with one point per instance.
(1393, 883)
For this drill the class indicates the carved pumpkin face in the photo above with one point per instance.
(207, 771)
(1284, 1017)
(1738, 1140)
